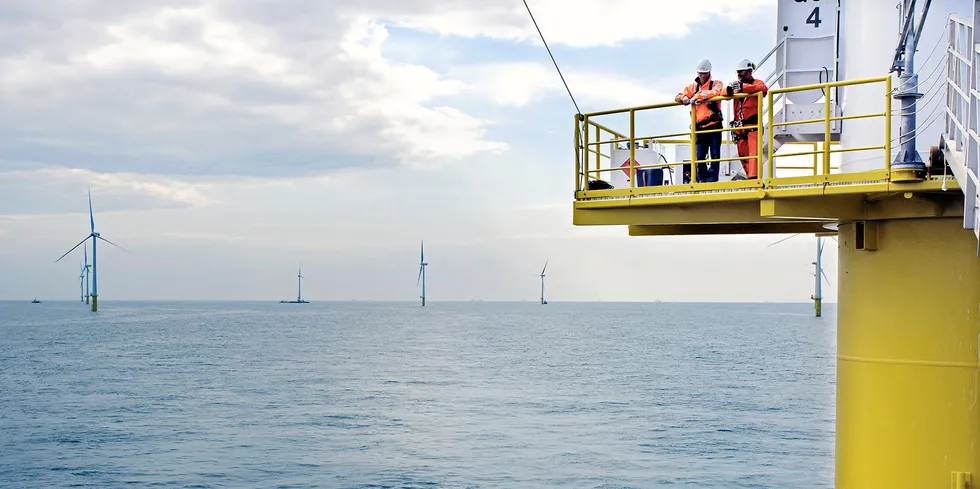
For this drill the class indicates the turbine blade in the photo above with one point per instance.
(113, 244)
(545, 268)
(91, 217)
(422, 253)
(784, 239)
(72, 249)
(825, 277)
(419, 280)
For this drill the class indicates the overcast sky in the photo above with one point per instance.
(226, 141)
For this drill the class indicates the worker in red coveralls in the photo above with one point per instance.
(746, 113)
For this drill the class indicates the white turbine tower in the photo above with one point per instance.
(542, 282)
(299, 289)
(87, 269)
(817, 273)
(299, 286)
(95, 237)
(81, 284)
(817, 296)
(422, 265)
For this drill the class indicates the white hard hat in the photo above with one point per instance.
(744, 65)
(704, 66)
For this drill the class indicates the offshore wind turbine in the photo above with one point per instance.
(817, 296)
(542, 282)
(422, 265)
(299, 289)
(81, 284)
(87, 269)
(299, 284)
(817, 273)
(95, 237)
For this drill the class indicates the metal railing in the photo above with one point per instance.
(826, 151)
(591, 135)
(586, 127)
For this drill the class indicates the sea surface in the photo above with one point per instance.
(372, 395)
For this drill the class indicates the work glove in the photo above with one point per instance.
(732, 87)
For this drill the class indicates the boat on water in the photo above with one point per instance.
(35, 301)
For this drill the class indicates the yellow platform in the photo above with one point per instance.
(793, 203)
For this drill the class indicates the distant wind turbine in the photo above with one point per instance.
(87, 268)
(95, 237)
(817, 296)
(81, 284)
(299, 284)
(542, 282)
(422, 265)
(299, 289)
(817, 286)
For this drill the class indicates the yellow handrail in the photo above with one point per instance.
(589, 136)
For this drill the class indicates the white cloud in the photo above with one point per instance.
(60, 189)
(397, 94)
(581, 23)
(206, 89)
(518, 84)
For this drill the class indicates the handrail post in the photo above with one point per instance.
(888, 126)
(578, 155)
(598, 151)
(816, 161)
(632, 144)
(826, 132)
(771, 149)
(758, 142)
(694, 146)
(585, 162)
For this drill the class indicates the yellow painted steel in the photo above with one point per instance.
(769, 161)
(578, 155)
(765, 159)
(888, 123)
(817, 307)
(694, 140)
(632, 148)
(907, 344)
(95, 303)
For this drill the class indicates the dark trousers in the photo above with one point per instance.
(704, 144)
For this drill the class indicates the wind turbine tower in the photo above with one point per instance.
(299, 289)
(422, 265)
(95, 237)
(817, 274)
(299, 285)
(542, 282)
(81, 284)
(87, 269)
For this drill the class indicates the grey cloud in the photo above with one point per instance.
(139, 112)
(57, 190)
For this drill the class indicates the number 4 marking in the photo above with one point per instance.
(814, 18)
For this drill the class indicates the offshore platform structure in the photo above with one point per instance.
(838, 134)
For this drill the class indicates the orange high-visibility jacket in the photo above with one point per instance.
(746, 109)
(701, 92)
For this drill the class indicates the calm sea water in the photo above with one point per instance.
(394, 395)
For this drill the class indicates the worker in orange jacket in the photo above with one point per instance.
(745, 112)
(708, 116)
